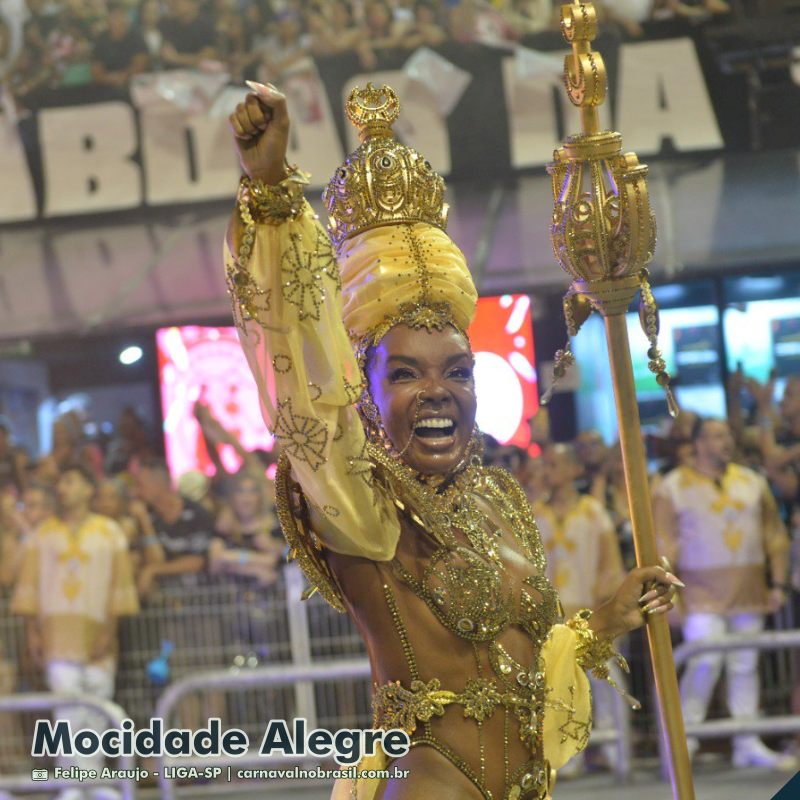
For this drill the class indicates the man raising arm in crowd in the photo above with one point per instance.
(183, 528)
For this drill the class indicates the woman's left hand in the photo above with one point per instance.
(645, 592)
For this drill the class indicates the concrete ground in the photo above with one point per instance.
(712, 782)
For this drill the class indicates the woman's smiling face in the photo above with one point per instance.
(422, 383)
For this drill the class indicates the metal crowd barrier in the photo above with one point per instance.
(36, 701)
(258, 678)
(723, 728)
(212, 622)
(233, 623)
(240, 630)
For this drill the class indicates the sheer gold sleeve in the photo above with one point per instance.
(286, 291)
(570, 651)
(568, 701)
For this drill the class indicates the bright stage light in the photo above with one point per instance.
(130, 355)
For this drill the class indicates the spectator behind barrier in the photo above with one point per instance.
(69, 47)
(120, 51)
(112, 500)
(188, 36)
(150, 25)
(74, 584)
(131, 443)
(591, 451)
(425, 29)
(584, 562)
(780, 438)
(18, 524)
(286, 51)
(333, 28)
(70, 446)
(11, 472)
(720, 527)
(182, 527)
(248, 525)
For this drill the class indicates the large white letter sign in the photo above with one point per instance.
(86, 158)
(187, 157)
(662, 94)
(17, 200)
(534, 110)
(532, 124)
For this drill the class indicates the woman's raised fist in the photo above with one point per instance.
(260, 127)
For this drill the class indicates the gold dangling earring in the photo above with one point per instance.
(371, 417)
(475, 447)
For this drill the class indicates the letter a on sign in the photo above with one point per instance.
(662, 94)
(276, 737)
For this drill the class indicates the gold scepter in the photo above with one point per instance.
(603, 234)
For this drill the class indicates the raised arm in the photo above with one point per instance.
(285, 286)
(777, 546)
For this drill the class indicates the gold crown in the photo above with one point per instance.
(382, 182)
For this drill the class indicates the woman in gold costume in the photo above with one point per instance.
(356, 338)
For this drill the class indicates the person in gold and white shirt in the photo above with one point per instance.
(583, 556)
(721, 529)
(584, 561)
(75, 582)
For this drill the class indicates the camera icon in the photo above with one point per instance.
(39, 774)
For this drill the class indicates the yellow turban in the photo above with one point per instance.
(411, 273)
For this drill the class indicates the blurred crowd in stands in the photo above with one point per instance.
(223, 517)
(52, 44)
(725, 491)
(224, 523)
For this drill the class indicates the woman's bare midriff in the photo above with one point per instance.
(442, 654)
(430, 775)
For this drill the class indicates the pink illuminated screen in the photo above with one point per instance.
(505, 368)
(206, 364)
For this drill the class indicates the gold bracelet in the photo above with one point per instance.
(593, 653)
(274, 204)
(260, 202)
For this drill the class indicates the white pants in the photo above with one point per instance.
(96, 680)
(703, 671)
(604, 716)
(605, 708)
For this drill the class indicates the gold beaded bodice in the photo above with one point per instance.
(464, 583)
(471, 559)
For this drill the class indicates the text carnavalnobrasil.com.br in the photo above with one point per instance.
(238, 773)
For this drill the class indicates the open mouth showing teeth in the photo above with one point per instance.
(435, 428)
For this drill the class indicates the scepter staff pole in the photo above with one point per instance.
(603, 235)
(637, 484)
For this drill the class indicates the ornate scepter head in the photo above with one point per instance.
(603, 230)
